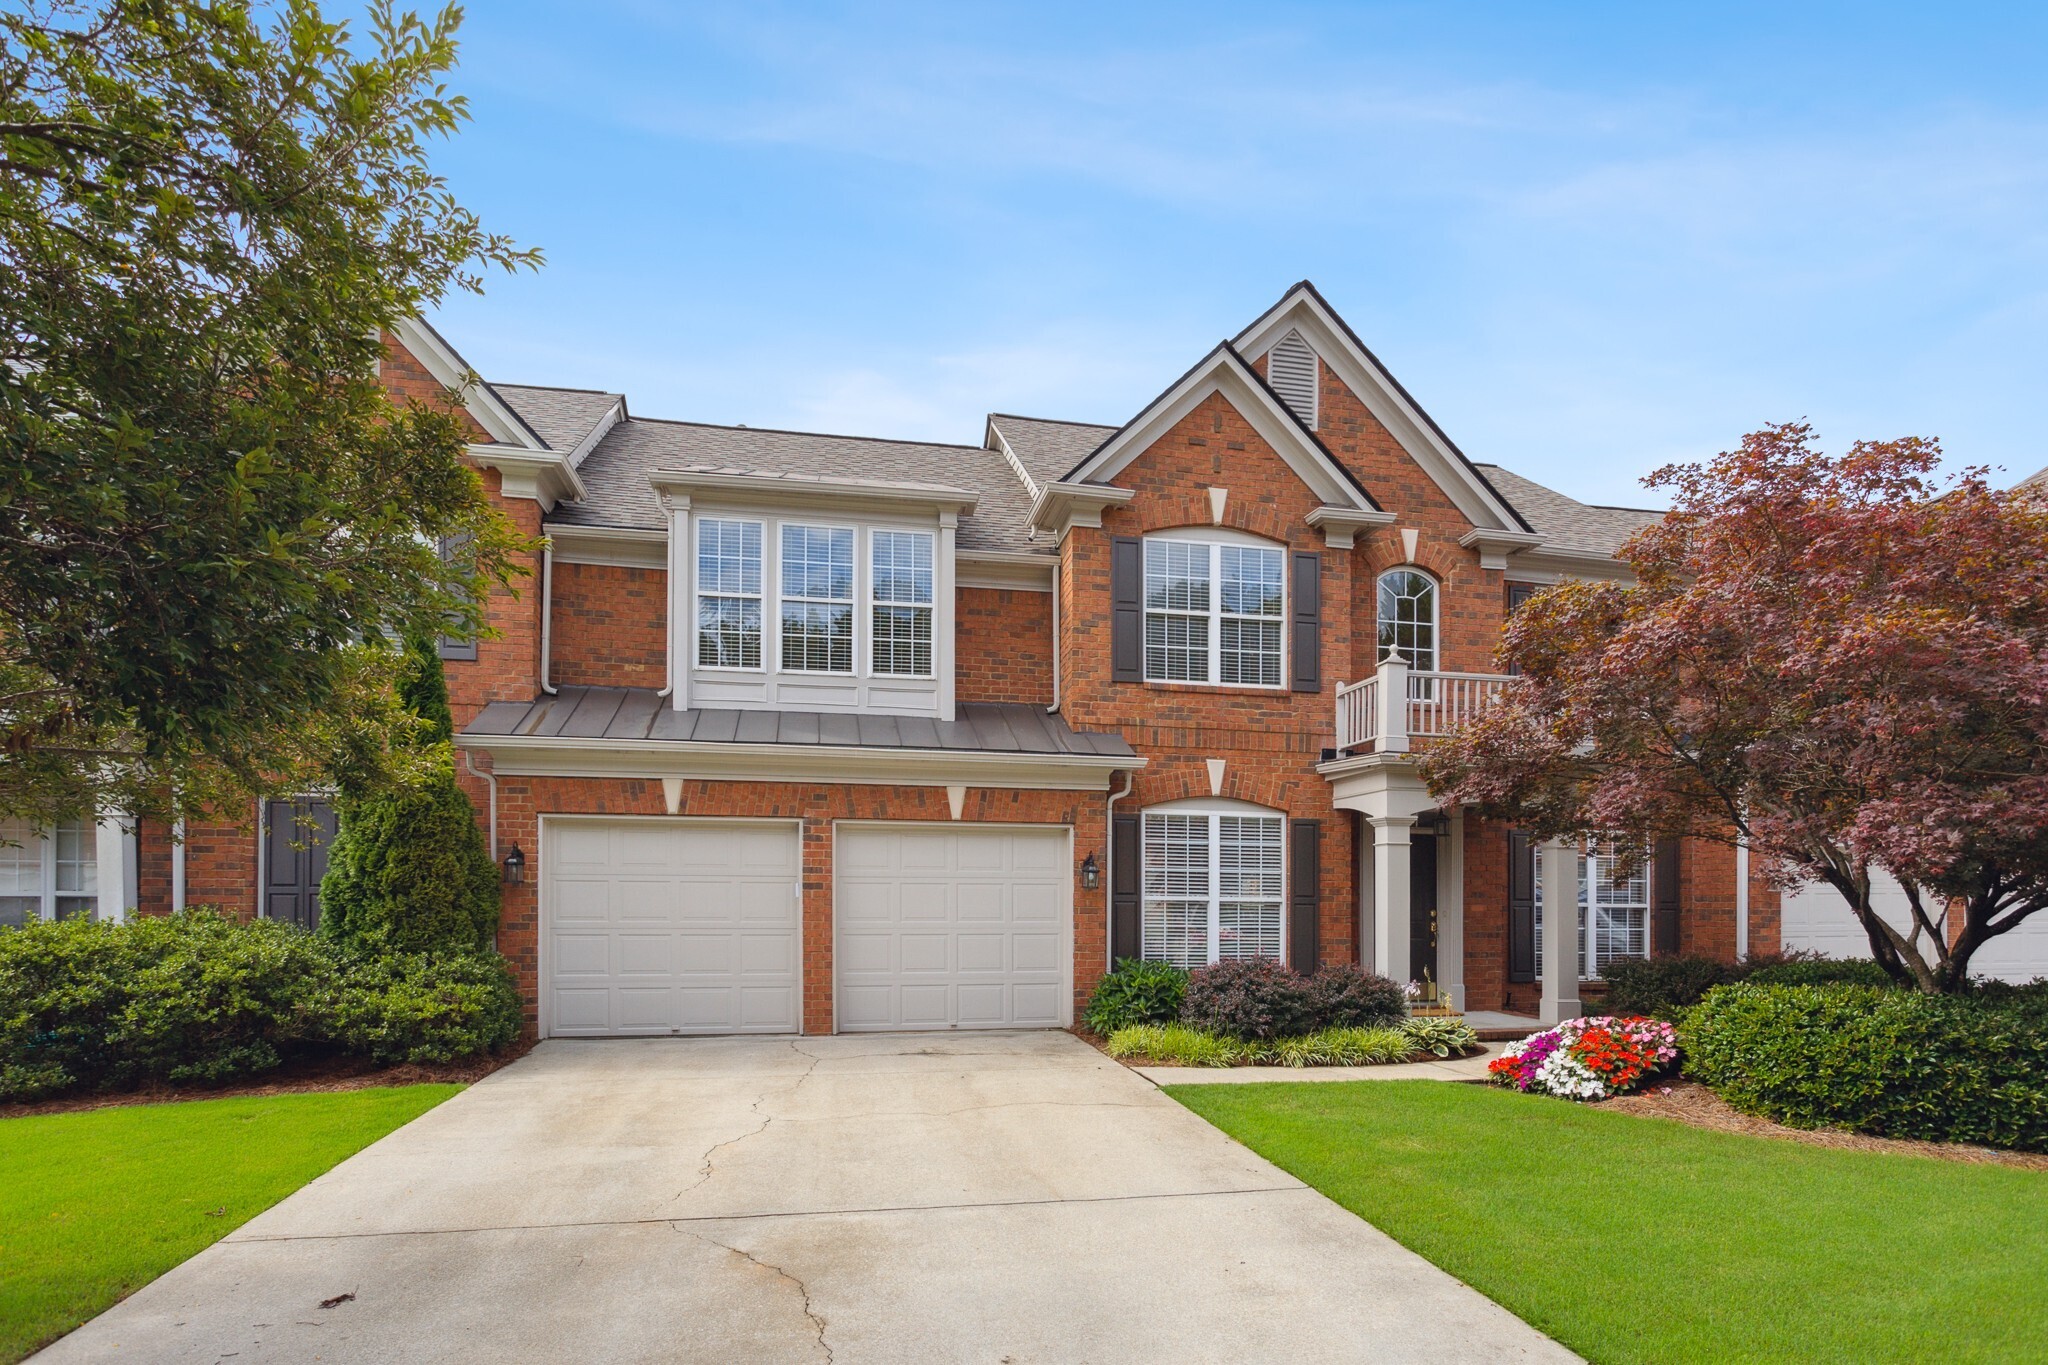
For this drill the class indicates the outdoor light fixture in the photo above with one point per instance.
(1091, 873)
(515, 867)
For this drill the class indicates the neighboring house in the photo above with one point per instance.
(809, 732)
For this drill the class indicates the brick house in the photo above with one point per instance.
(799, 732)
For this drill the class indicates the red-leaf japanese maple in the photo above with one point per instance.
(1841, 659)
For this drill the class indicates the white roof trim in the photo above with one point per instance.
(1303, 311)
(613, 415)
(811, 487)
(447, 366)
(1002, 446)
(543, 756)
(542, 476)
(1225, 372)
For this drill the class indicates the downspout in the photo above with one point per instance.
(668, 652)
(491, 781)
(1109, 862)
(1741, 898)
(1054, 708)
(547, 615)
(178, 865)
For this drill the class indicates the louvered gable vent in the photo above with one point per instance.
(1291, 370)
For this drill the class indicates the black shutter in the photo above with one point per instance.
(1304, 891)
(1521, 907)
(1518, 593)
(1664, 899)
(1125, 885)
(1126, 609)
(1308, 621)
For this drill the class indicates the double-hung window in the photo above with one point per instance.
(47, 873)
(817, 599)
(1613, 905)
(1214, 613)
(728, 594)
(1212, 887)
(902, 592)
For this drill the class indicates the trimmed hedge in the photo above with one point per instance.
(1180, 1045)
(1137, 992)
(1888, 1062)
(1345, 995)
(198, 998)
(1823, 971)
(1661, 987)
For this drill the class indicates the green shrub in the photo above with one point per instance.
(1250, 998)
(1177, 1044)
(1889, 1062)
(1345, 995)
(1137, 992)
(2029, 1002)
(1440, 1035)
(199, 998)
(408, 872)
(1662, 987)
(410, 1007)
(1823, 971)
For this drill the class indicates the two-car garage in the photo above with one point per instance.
(679, 926)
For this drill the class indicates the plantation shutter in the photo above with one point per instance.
(1521, 907)
(1126, 887)
(1126, 609)
(1308, 621)
(1304, 892)
(1664, 899)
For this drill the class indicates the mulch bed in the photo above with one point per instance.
(339, 1073)
(1692, 1103)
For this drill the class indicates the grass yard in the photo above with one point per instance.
(96, 1204)
(1632, 1239)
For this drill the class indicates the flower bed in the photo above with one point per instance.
(1587, 1059)
(1182, 1045)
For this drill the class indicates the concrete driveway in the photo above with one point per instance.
(912, 1197)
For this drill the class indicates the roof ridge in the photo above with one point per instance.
(556, 388)
(792, 431)
(1053, 421)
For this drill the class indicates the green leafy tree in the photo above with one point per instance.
(210, 215)
(408, 869)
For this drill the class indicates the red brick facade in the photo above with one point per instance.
(608, 628)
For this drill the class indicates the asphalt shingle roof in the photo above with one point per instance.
(641, 713)
(616, 473)
(1566, 523)
(561, 417)
(1048, 449)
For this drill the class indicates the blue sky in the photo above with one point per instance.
(1589, 238)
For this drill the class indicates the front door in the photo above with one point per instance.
(1422, 908)
(296, 837)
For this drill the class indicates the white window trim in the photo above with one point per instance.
(856, 660)
(113, 864)
(1590, 958)
(1214, 541)
(695, 660)
(1213, 810)
(875, 603)
(1436, 612)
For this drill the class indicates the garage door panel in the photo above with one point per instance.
(950, 928)
(656, 927)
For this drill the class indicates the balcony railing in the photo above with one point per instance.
(1381, 714)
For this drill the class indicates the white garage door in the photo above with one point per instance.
(663, 926)
(939, 927)
(1816, 918)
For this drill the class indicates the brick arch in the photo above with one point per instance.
(1190, 512)
(1443, 562)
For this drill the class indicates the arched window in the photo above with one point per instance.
(1408, 617)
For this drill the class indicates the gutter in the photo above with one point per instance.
(1109, 862)
(490, 780)
(1053, 710)
(547, 613)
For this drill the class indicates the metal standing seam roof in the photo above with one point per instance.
(640, 713)
(560, 417)
(1565, 522)
(616, 474)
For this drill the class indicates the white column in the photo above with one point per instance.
(1450, 910)
(110, 847)
(944, 595)
(1560, 874)
(682, 610)
(1392, 700)
(1391, 852)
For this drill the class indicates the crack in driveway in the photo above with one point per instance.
(804, 1290)
(710, 1153)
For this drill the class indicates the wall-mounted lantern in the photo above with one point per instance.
(1091, 873)
(515, 867)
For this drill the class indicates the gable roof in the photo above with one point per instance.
(619, 468)
(564, 418)
(1567, 524)
(497, 417)
(1041, 448)
(1224, 371)
(1302, 308)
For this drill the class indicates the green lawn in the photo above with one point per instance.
(1632, 1239)
(94, 1205)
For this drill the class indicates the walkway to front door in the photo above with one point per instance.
(984, 1197)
